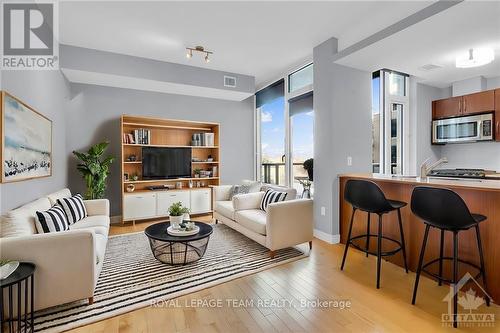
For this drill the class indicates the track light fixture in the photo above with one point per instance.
(201, 49)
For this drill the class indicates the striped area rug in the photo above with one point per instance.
(132, 278)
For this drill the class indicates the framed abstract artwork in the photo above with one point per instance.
(26, 141)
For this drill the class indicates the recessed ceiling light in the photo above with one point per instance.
(475, 58)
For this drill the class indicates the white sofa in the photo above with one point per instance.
(68, 263)
(285, 224)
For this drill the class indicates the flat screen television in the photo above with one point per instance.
(163, 163)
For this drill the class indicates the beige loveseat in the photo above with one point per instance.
(68, 263)
(285, 224)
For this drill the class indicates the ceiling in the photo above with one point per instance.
(263, 39)
(438, 40)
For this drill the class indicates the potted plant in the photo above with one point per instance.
(94, 169)
(197, 173)
(308, 165)
(176, 214)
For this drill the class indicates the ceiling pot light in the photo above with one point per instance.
(475, 58)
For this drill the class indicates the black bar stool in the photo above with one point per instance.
(368, 197)
(445, 210)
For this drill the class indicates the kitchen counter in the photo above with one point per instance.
(478, 184)
(481, 195)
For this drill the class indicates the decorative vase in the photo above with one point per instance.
(175, 221)
(130, 188)
(186, 217)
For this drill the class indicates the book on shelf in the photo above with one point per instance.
(203, 139)
(139, 136)
(128, 138)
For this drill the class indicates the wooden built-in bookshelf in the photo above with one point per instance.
(168, 133)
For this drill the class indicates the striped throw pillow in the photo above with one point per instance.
(271, 196)
(74, 208)
(52, 220)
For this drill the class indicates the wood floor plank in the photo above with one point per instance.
(387, 309)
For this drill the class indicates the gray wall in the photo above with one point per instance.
(47, 92)
(342, 109)
(84, 59)
(96, 118)
(421, 97)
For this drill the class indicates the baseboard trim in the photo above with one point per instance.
(326, 237)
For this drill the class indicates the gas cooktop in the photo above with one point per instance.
(458, 173)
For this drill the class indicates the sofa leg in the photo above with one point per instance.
(216, 221)
(310, 245)
(271, 254)
(91, 300)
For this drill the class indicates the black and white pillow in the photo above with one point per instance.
(239, 189)
(270, 197)
(52, 220)
(74, 208)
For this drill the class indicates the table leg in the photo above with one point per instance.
(19, 306)
(171, 253)
(11, 323)
(32, 307)
(26, 289)
(185, 252)
(1, 311)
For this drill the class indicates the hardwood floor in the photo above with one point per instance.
(317, 277)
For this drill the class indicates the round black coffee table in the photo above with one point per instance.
(178, 250)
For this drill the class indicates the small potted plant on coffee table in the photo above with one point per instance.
(176, 214)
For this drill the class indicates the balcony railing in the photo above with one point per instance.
(274, 173)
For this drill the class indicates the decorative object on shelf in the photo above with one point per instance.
(176, 214)
(205, 173)
(130, 188)
(134, 177)
(309, 166)
(94, 170)
(7, 267)
(178, 185)
(198, 48)
(26, 141)
(214, 171)
(125, 176)
(131, 158)
(198, 184)
(210, 158)
(190, 184)
(203, 184)
(197, 173)
(306, 185)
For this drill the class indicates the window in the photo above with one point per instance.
(390, 122)
(300, 78)
(270, 103)
(284, 131)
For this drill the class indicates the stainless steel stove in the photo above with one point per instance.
(459, 173)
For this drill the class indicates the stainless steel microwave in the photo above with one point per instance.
(463, 129)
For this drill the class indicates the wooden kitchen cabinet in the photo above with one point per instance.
(446, 108)
(460, 106)
(483, 101)
(497, 114)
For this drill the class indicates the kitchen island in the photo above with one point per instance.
(482, 197)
